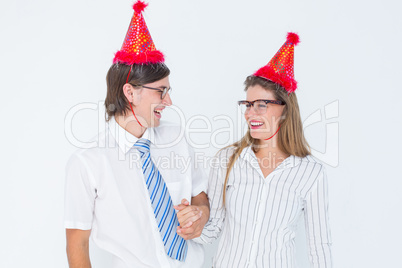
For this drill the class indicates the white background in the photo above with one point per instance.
(55, 55)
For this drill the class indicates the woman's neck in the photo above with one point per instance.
(269, 155)
(266, 150)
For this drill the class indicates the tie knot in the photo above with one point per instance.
(142, 145)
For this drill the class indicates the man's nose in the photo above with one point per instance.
(167, 100)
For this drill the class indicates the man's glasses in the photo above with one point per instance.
(163, 91)
(260, 106)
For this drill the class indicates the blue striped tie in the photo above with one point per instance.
(165, 215)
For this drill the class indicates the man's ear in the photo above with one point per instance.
(133, 95)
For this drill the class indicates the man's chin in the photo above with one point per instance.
(155, 123)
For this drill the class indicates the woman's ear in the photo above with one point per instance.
(133, 95)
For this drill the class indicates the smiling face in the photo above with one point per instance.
(147, 103)
(263, 126)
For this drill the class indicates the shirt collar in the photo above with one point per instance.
(248, 155)
(126, 140)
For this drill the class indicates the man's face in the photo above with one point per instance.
(148, 105)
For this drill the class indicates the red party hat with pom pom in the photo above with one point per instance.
(138, 47)
(280, 68)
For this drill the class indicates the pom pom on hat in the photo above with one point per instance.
(293, 38)
(139, 6)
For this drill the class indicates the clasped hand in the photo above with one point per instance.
(192, 219)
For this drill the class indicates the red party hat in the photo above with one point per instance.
(138, 47)
(280, 68)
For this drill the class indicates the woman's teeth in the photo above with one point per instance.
(255, 124)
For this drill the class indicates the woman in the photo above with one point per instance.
(262, 184)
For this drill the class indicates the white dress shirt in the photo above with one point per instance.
(258, 222)
(106, 192)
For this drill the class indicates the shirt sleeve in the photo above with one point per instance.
(198, 175)
(80, 195)
(216, 220)
(317, 224)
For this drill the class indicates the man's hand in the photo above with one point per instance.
(192, 218)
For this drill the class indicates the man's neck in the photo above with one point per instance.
(130, 124)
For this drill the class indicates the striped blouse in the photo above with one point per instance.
(259, 220)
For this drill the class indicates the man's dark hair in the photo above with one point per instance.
(116, 103)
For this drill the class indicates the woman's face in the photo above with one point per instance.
(262, 125)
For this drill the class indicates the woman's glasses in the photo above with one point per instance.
(260, 106)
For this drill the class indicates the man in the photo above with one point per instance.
(121, 192)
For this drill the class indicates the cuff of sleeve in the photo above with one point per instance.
(199, 240)
(199, 189)
(77, 225)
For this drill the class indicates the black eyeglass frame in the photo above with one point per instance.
(163, 91)
(251, 103)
